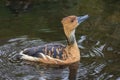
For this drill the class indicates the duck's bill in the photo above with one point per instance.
(82, 18)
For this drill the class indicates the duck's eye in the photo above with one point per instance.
(72, 20)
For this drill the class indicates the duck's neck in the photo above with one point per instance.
(71, 40)
(72, 47)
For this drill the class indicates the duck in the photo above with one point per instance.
(57, 53)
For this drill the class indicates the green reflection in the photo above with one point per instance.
(43, 20)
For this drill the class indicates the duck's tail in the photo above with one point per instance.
(23, 56)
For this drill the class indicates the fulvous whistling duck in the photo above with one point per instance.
(55, 53)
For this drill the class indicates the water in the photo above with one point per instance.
(98, 38)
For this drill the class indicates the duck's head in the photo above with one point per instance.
(70, 23)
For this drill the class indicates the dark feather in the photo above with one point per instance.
(54, 50)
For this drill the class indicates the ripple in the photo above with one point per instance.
(28, 77)
(94, 52)
(23, 38)
(90, 47)
(92, 67)
(80, 41)
(118, 78)
(82, 38)
(99, 68)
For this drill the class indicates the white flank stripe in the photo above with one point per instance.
(27, 57)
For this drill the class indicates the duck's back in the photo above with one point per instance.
(54, 50)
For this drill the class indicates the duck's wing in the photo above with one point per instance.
(53, 54)
(54, 50)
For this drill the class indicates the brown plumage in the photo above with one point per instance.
(54, 53)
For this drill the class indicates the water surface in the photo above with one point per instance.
(98, 38)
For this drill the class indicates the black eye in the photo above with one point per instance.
(72, 20)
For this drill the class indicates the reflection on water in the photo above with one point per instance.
(93, 63)
(98, 38)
